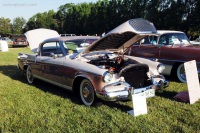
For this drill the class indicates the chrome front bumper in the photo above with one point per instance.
(123, 91)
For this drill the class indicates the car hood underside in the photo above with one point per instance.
(124, 36)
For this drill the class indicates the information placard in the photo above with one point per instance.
(139, 104)
(192, 81)
(3, 46)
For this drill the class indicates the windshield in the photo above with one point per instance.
(77, 46)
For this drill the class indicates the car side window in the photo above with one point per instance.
(52, 49)
(163, 40)
(145, 41)
(150, 40)
(136, 44)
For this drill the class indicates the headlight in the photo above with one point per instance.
(107, 77)
(160, 68)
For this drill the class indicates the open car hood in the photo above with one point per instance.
(124, 36)
(35, 37)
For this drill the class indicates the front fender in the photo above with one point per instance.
(96, 80)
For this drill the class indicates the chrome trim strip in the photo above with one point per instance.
(158, 60)
(168, 67)
(54, 83)
(117, 83)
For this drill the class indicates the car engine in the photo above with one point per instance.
(133, 72)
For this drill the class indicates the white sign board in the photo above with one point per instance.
(192, 81)
(139, 105)
(3, 46)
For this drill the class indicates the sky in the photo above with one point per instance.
(27, 8)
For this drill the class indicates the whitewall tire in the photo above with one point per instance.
(87, 93)
(181, 73)
(29, 75)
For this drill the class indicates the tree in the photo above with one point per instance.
(5, 26)
(194, 19)
(18, 25)
(42, 20)
(61, 16)
(104, 15)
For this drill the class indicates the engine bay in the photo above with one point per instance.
(110, 61)
(133, 72)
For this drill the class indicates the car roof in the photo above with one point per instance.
(168, 31)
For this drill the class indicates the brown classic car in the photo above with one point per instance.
(172, 48)
(98, 71)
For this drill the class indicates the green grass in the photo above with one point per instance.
(42, 107)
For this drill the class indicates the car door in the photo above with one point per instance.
(168, 50)
(146, 48)
(50, 61)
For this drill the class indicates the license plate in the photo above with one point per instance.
(149, 93)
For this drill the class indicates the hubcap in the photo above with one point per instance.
(87, 92)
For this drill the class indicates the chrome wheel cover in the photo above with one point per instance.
(87, 92)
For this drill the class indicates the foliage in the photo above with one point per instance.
(18, 25)
(5, 26)
(43, 107)
(42, 20)
(104, 15)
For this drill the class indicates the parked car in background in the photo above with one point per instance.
(2, 38)
(172, 48)
(101, 70)
(19, 41)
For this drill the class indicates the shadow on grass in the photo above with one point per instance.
(14, 73)
(123, 108)
(55, 90)
(171, 78)
(166, 94)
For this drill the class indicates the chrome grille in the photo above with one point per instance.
(135, 74)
